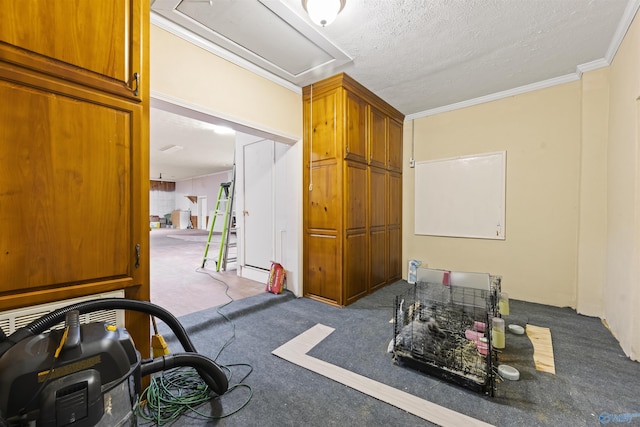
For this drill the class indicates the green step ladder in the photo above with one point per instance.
(224, 208)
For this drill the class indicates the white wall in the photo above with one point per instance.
(287, 199)
(204, 186)
(622, 275)
(191, 77)
(161, 202)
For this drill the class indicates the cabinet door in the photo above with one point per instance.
(67, 193)
(355, 259)
(378, 138)
(323, 268)
(394, 161)
(394, 226)
(355, 265)
(101, 40)
(75, 180)
(377, 228)
(321, 126)
(355, 195)
(355, 120)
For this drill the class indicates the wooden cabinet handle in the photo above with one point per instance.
(136, 80)
(138, 255)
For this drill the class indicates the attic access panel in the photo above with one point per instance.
(266, 33)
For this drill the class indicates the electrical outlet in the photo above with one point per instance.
(412, 163)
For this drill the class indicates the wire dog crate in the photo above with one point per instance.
(444, 331)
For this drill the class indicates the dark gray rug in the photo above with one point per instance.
(595, 383)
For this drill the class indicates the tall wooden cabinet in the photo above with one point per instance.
(74, 149)
(352, 214)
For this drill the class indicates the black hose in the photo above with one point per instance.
(218, 382)
(51, 319)
(210, 372)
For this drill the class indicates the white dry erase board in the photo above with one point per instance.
(461, 196)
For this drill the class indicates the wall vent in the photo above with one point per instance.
(11, 320)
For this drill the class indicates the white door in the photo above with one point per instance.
(258, 204)
(202, 212)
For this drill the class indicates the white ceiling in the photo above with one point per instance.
(421, 56)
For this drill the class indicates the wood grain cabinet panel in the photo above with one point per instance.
(355, 195)
(355, 121)
(356, 265)
(67, 196)
(94, 43)
(394, 226)
(377, 228)
(323, 269)
(349, 203)
(321, 132)
(325, 200)
(74, 144)
(394, 160)
(378, 138)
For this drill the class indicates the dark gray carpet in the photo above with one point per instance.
(593, 378)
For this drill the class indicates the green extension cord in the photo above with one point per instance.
(179, 390)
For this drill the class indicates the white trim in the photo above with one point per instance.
(498, 95)
(164, 23)
(295, 351)
(253, 273)
(593, 65)
(621, 31)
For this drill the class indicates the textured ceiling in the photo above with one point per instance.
(421, 56)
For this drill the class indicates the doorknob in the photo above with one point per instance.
(245, 212)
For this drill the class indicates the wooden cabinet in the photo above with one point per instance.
(352, 221)
(354, 123)
(74, 144)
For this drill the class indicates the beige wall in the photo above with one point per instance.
(622, 297)
(541, 133)
(593, 193)
(573, 192)
(183, 71)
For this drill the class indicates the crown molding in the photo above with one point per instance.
(498, 95)
(621, 31)
(593, 65)
(626, 21)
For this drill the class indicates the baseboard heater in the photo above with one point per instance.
(11, 320)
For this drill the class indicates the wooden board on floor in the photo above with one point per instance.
(542, 348)
(295, 351)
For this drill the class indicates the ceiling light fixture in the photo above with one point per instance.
(171, 148)
(223, 130)
(323, 12)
